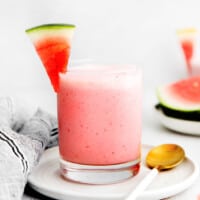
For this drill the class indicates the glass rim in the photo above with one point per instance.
(94, 67)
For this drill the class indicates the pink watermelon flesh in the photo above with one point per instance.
(54, 54)
(187, 47)
(188, 89)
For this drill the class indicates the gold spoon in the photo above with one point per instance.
(162, 157)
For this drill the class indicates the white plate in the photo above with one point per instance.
(179, 125)
(46, 179)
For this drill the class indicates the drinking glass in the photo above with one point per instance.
(99, 117)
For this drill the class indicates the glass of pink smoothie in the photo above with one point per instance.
(99, 116)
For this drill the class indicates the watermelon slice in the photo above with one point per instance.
(183, 95)
(53, 44)
(187, 38)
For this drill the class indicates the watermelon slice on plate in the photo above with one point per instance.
(53, 45)
(179, 105)
(183, 95)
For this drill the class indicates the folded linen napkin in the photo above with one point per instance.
(23, 138)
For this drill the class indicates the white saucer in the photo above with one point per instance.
(179, 125)
(46, 179)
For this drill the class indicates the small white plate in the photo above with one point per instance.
(179, 125)
(46, 179)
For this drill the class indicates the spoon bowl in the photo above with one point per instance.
(165, 156)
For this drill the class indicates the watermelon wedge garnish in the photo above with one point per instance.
(183, 95)
(53, 45)
(187, 39)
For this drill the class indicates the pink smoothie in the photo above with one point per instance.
(99, 114)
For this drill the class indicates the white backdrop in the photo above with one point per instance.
(141, 32)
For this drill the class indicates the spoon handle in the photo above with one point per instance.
(142, 185)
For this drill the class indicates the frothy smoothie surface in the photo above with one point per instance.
(99, 111)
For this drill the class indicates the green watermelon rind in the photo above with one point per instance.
(167, 101)
(50, 27)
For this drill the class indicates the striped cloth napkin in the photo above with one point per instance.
(23, 138)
